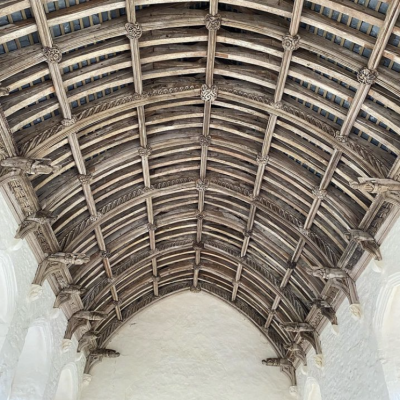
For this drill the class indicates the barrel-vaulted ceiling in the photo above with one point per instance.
(204, 145)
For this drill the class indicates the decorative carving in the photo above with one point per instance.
(133, 30)
(67, 122)
(303, 231)
(376, 185)
(90, 315)
(327, 273)
(85, 179)
(144, 151)
(297, 351)
(104, 254)
(213, 22)
(53, 55)
(66, 294)
(35, 292)
(32, 222)
(278, 105)
(151, 227)
(247, 233)
(68, 258)
(198, 245)
(96, 217)
(366, 241)
(66, 345)
(326, 310)
(367, 76)
(276, 362)
(202, 185)
(209, 93)
(296, 327)
(341, 138)
(99, 108)
(195, 289)
(30, 166)
(197, 267)
(205, 141)
(200, 216)
(290, 43)
(262, 160)
(155, 279)
(319, 193)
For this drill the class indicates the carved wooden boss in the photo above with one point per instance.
(244, 149)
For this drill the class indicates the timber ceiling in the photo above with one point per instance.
(203, 144)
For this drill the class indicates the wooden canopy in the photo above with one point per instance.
(200, 145)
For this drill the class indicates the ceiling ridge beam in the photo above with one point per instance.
(209, 93)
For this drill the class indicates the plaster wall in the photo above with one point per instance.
(356, 360)
(190, 346)
(18, 260)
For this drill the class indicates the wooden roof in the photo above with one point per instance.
(201, 144)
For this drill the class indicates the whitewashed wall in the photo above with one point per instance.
(190, 346)
(361, 364)
(19, 266)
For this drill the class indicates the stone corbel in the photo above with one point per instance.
(366, 241)
(32, 222)
(66, 294)
(81, 319)
(96, 356)
(287, 368)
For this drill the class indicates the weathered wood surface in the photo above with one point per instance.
(237, 187)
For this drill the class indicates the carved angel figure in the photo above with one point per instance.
(65, 294)
(90, 315)
(327, 273)
(297, 351)
(30, 166)
(276, 362)
(108, 353)
(68, 258)
(326, 310)
(297, 327)
(366, 241)
(376, 185)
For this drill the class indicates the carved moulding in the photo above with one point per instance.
(80, 320)
(101, 107)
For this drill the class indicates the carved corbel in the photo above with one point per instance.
(96, 356)
(88, 340)
(296, 327)
(285, 366)
(366, 241)
(81, 319)
(58, 262)
(66, 294)
(33, 221)
(30, 166)
(326, 311)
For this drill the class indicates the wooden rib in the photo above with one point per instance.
(137, 80)
(282, 77)
(212, 41)
(374, 60)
